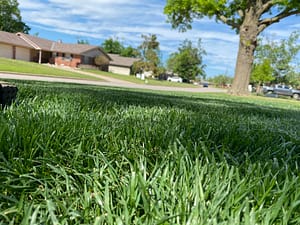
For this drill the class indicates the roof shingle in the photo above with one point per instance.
(13, 39)
(118, 60)
(55, 46)
(28, 41)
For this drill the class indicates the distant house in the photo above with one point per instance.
(13, 47)
(120, 64)
(34, 49)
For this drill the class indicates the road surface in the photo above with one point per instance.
(107, 82)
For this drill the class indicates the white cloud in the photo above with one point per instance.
(128, 19)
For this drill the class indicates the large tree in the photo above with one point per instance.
(131, 52)
(112, 45)
(187, 62)
(10, 17)
(248, 17)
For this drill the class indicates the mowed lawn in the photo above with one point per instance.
(17, 66)
(75, 154)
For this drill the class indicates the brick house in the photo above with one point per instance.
(34, 49)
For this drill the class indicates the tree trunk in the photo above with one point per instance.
(247, 46)
(258, 88)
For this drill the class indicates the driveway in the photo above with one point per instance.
(107, 82)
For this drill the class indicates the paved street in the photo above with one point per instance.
(107, 82)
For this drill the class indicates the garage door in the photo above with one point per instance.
(6, 51)
(22, 54)
(119, 70)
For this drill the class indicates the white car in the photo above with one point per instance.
(175, 79)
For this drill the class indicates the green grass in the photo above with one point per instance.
(74, 154)
(17, 66)
(149, 81)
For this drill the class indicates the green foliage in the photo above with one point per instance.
(293, 79)
(113, 156)
(281, 54)
(150, 54)
(187, 62)
(221, 80)
(113, 46)
(262, 72)
(10, 17)
(84, 42)
(130, 52)
(182, 13)
(102, 62)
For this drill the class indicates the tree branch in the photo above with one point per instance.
(265, 7)
(241, 13)
(269, 21)
(227, 21)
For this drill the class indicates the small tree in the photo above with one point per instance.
(150, 54)
(10, 17)
(187, 62)
(221, 80)
(262, 73)
(102, 62)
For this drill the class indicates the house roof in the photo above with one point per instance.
(37, 42)
(33, 42)
(73, 48)
(118, 60)
(57, 46)
(9, 38)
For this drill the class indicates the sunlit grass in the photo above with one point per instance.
(18, 66)
(73, 154)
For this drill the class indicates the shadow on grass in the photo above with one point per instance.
(191, 102)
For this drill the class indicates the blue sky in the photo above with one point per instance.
(127, 20)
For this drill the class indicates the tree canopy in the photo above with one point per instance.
(248, 17)
(83, 42)
(261, 73)
(130, 51)
(150, 54)
(231, 12)
(10, 17)
(187, 62)
(281, 55)
(112, 46)
(221, 80)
